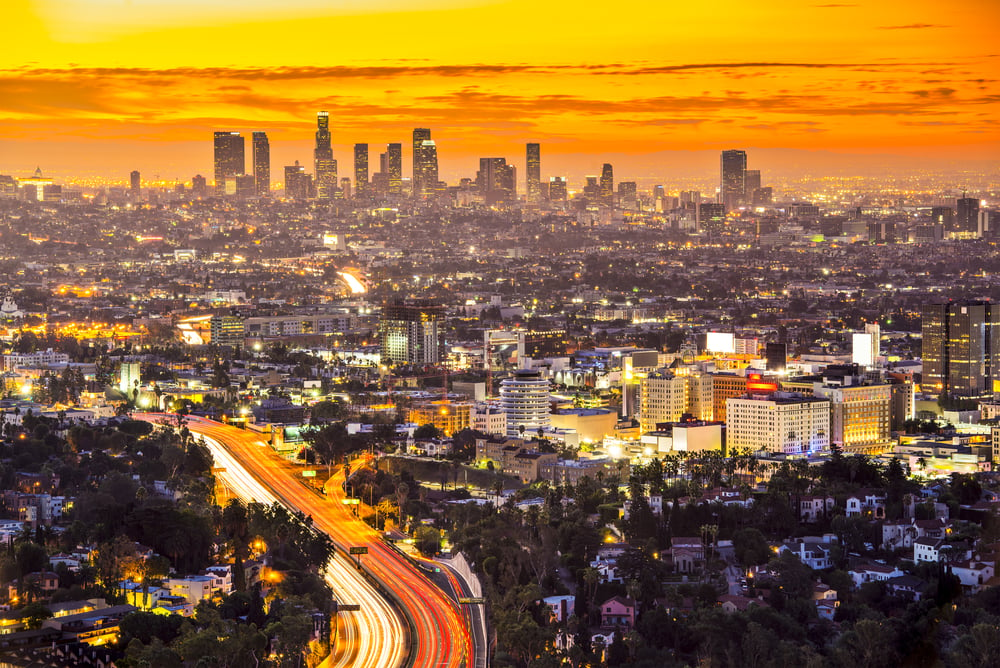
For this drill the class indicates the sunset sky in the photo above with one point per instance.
(100, 87)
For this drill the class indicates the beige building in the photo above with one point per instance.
(448, 416)
(780, 422)
(662, 398)
(590, 424)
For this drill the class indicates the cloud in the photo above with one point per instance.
(914, 26)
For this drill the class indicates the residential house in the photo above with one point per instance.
(618, 611)
(812, 508)
(686, 553)
(909, 587)
(813, 552)
(866, 504)
(873, 573)
(973, 574)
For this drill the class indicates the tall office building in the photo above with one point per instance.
(525, 400)
(261, 164)
(967, 215)
(298, 184)
(961, 348)
(557, 189)
(776, 355)
(944, 215)
(324, 164)
(134, 181)
(361, 169)
(429, 169)
(199, 185)
(533, 176)
(393, 168)
(230, 158)
(410, 332)
(496, 180)
(419, 178)
(732, 187)
(607, 184)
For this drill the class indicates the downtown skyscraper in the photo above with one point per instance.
(325, 167)
(394, 168)
(230, 159)
(361, 170)
(732, 181)
(425, 166)
(961, 348)
(607, 184)
(533, 173)
(261, 164)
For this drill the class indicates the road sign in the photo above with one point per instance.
(218, 469)
(348, 608)
(359, 550)
(351, 502)
(472, 600)
(309, 474)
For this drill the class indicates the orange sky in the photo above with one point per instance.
(104, 86)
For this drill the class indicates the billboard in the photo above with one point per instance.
(720, 342)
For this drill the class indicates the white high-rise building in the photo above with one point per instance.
(525, 400)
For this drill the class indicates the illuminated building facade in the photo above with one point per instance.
(960, 348)
(261, 164)
(663, 397)
(732, 187)
(533, 173)
(421, 179)
(227, 330)
(230, 158)
(776, 422)
(324, 164)
(410, 332)
(298, 184)
(449, 417)
(496, 180)
(525, 400)
(361, 169)
(607, 192)
(557, 189)
(967, 216)
(394, 168)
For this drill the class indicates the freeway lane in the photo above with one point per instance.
(441, 639)
(372, 637)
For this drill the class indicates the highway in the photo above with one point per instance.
(441, 638)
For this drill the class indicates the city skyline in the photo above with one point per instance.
(889, 82)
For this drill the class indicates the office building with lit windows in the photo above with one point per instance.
(261, 164)
(361, 169)
(230, 158)
(732, 186)
(961, 349)
(393, 169)
(324, 164)
(533, 173)
(410, 332)
(778, 422)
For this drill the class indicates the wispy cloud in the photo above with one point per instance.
(914, 26)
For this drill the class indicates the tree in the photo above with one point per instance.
(236, 527)
(750, 547)
(34, 614)
(979, 648)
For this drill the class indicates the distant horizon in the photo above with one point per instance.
(677, 165)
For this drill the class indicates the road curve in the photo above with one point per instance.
(441, 638)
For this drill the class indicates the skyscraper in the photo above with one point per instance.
(732, 187)
(496, 180)
(410, 332)
(297, 182)
(361, 169)
(533, 176)
(960, 348)
(394, 168)
(557, 188)
(525, 400)
(419, 178)
(134, 184)
(261, 164)
(607, 184)
(429, 169)
(230, 158)
(966, 215)
(199, 186)
(325, 165)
